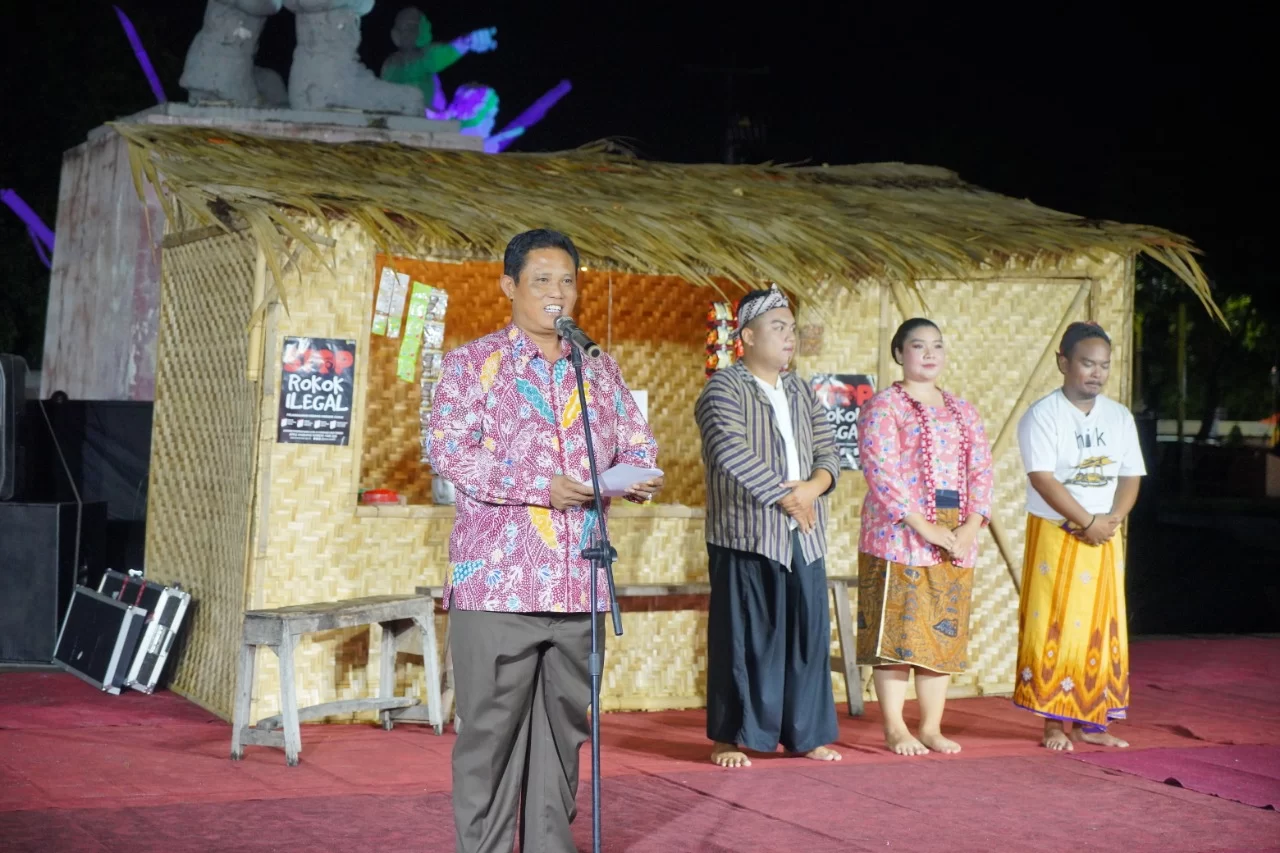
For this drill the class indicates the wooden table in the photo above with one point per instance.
(408, 625)
(846, 630)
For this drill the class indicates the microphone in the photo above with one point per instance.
(569, 329)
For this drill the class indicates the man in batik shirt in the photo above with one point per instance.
(507, 429)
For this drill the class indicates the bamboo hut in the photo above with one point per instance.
(274, 237)
(104, 288)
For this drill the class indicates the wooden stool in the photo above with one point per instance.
(845, 663)
(847, 632)
(408, 625)
(443, 680)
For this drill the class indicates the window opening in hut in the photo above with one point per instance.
(654, 326)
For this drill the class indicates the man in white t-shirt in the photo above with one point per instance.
(1084, 465)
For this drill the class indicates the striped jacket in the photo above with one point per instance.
(746, 463)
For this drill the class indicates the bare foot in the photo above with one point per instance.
(902, 742)
(728, 755)
(1097, 738)
(823, 753)
(1055, 737)
(936, 742)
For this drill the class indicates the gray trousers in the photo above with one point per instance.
(522, 691)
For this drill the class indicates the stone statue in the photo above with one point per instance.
(326, 72)
(418, 59)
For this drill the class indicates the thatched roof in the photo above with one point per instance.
(743, 223)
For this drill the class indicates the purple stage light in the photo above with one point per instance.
(41, 234)
(531, 116)
(39, 231)
(141, 52)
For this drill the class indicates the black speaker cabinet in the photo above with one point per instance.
(13, 380)
(39, 569)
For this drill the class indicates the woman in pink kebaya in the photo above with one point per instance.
(928, 468)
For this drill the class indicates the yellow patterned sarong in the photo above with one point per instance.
(1073, 639)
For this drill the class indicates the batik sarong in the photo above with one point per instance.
(1073, 643)
(917, 615)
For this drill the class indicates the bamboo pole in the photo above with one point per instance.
(1001, 538)
(1051, 348)
(885, 356)
(253, 370)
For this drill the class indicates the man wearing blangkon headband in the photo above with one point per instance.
(1083, 462)
(771, 459)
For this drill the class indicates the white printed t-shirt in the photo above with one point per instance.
(1086, 452)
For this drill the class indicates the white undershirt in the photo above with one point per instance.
(777, 395)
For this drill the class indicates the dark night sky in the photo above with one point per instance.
(1140, 115)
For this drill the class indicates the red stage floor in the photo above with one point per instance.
(80, 770)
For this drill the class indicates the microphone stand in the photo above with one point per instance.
(602, 555)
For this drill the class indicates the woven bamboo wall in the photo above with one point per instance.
(202, 456)
(655, 326)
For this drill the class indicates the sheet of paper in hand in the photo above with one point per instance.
(615, 482)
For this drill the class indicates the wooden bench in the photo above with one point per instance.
(408, 625)
(845, 663)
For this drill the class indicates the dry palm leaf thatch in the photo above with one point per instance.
(794, 226)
